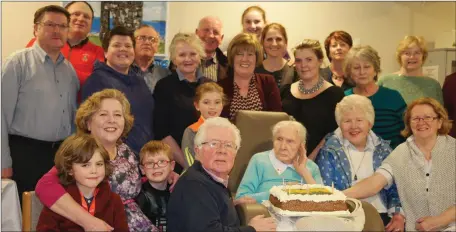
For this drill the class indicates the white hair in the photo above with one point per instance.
(200, 137)
(353, 102)
(300, 129)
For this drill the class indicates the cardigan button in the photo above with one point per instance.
(427, 190)
(427, 174)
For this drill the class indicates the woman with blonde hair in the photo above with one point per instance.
(423, 168)
(410, 81)
(311, 100)
(245, 89)
(362, 65)
(174, 110)
(274, 40)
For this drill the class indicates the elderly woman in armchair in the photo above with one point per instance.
(353, 152)
(286, 162)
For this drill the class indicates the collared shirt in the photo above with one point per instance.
(278, 165)
(38, 96)
(209, 67)
(181, 76)
(216, 178)
(152, 75)
(387, 170)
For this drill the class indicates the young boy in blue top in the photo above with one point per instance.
(156, 162)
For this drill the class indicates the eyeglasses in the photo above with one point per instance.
(219, 144)
(51, 26)
(426, 119)
(144, 38)
(409, 54)
(160, 164)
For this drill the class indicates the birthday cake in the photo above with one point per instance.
(308, 198)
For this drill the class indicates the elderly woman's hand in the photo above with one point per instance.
(300, 162)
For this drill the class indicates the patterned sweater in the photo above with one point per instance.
(407, 164)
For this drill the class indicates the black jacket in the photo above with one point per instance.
(153, 203)
(200, 204)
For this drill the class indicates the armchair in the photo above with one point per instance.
(255, 128)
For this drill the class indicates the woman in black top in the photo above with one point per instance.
(174, 110)
(311, 100)
(274, 40)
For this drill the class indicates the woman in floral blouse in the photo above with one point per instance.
(105, 115)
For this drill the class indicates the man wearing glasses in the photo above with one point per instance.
(201, 200)
(39, 88)
(81, 53)
(147, 41)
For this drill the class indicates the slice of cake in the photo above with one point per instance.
(308, 198)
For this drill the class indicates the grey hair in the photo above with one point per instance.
(188, 38)
(366, 53)
(300, 129)
(146, 26)
(353, 102)
(200, 137)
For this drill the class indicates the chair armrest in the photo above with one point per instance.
(248, 211)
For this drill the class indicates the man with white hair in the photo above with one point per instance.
(201, 200)
(215, 65)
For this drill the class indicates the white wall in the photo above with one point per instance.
(379, 24)
(17, 24)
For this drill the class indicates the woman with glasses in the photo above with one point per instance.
(410, 80)
(286, 163)
(105, 115)
(423, 168)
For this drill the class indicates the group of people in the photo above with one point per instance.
(104, 117)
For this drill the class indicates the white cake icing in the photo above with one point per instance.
(283, 196)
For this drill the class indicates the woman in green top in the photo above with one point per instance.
(363, 66)
(410, 80)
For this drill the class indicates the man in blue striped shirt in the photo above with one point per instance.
(39, 88)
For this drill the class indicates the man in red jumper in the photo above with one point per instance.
(81, 53)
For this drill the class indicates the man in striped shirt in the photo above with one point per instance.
(210, 30)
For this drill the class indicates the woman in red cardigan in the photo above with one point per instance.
(245, 89)
(82, 167)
